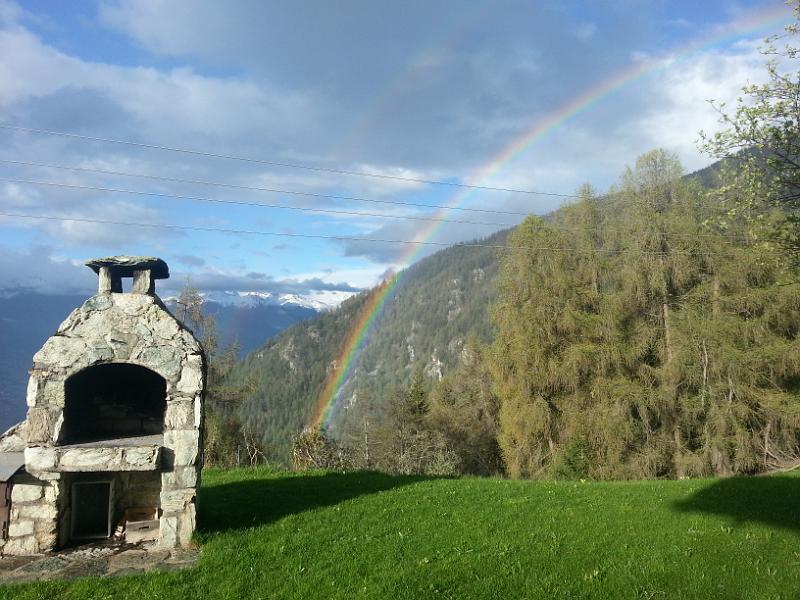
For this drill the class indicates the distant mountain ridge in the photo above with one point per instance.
(318, 300)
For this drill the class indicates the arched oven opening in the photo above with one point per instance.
(113, 401)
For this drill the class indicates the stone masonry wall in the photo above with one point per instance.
(111, 328)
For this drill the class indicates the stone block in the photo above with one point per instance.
(180, 477)
(198, 411)
(102, 353)
(125, 458)
(99, 302)
(88, 459)
(133, 305)
(168, 532)
(191, 380)
(176, 501)
(164, 360)
(57, 427)
(40, 425)
(179, 414)
(46, 541)
(15, 439)
(141, 458)
(184, 444)
(186, 525)
(53, 393)
(32, 393)
(22, 546)
(50, 493)
(163, 326)
(61, 351)
(20, 528)
(38, 511)
(46, 527)
(38, 458)
(22, 492)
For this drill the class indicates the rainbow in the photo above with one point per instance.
(329, 399)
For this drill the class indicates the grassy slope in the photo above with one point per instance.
(279, 535)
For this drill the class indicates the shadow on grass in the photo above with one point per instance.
(259, 501)
(771, 500)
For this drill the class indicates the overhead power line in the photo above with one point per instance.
(75, 186)
(277, 206)
(351, 238)
(280, 164)
(257, 189)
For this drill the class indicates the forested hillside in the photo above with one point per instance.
(645, 333)
(439, 301)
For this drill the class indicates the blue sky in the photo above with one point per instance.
(426, 90)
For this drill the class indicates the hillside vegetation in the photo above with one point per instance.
(440, 301)
(647, 333)
(369, 535)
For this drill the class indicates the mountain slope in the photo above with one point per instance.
(438, 302)
(26, 321)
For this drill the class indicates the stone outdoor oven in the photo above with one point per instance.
(112, 440)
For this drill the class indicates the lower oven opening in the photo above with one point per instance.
(92, 511)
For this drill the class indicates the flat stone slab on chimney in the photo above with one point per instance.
(126, 265)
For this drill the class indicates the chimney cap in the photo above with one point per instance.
(124, 266)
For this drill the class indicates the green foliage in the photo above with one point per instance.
(372, 536)
(651, 344)
(575, 461)
(224, 436)
(464, 410)
(761, 141)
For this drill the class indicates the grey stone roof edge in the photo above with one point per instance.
(10, 463)
(126, 265)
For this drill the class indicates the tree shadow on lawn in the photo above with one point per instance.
(253, 502)
(770, 500)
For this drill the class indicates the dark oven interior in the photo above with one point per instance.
(112, 401)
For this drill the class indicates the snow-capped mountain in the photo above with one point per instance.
(318, 301)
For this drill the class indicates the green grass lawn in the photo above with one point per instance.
(367, 535)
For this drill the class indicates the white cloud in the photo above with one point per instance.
(680, 99)
(358, 277)
(39, 270)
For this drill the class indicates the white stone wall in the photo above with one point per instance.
(111, 328)
(33, 520)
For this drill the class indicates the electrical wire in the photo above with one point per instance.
(254, 188)
(279, 164)
(735, 238)
(74, 186)
(353, 238)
